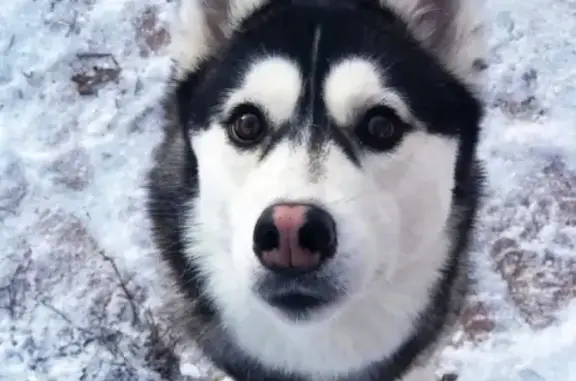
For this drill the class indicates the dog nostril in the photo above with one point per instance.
(315, 237)
(269, 239)
(318, 234)
(266, 235)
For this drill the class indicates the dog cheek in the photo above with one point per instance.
(368, 237)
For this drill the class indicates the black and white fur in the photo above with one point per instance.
(404, 214)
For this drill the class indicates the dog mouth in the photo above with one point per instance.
(297, 297)
(296, 302)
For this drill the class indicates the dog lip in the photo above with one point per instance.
(296, 302)
(297, 297)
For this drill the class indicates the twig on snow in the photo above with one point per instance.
(63, 316)
(12, 288)
(128, 294)
(91, 55)
(97, 55)
(10, 43)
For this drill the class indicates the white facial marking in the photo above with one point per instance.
(354, 85)
(391, 217)
(274, 83)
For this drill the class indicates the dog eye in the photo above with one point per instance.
(380, 129)
(246, 126)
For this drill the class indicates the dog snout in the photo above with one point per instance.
(294, 238)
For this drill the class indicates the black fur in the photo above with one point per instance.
(444, 104)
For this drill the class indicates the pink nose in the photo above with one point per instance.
(294, 237)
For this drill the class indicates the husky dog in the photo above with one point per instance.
(314, 196)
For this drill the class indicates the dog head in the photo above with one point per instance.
(327, 138)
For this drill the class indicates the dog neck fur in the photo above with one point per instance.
(450, 29)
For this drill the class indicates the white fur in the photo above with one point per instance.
(353, 85)
(274, 83)
(194, 37)
(392, 245)
(391, 219)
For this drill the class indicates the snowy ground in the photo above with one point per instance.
(76, 129)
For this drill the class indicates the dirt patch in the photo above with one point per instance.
(63, 249)
(542, 281)
(89, 79)
(538, 285)
(521, 103)
(63, 254)
(477, 324)
(72, 170)
(88, 83)
(152, 35)
(13, 188)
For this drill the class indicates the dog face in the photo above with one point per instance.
(327, 141)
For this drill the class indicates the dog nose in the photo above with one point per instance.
(294, 238)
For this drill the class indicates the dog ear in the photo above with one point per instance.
(202, 26)
(452, 30)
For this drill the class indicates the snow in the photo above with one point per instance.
(76, 281)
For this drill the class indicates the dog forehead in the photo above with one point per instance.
(330, 64)
(292, 29)
(273, 82)
(277, 83)
(356, 83)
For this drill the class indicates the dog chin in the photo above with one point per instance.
(299, 297)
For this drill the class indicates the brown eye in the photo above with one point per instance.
(246, 126)
(381, 129)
